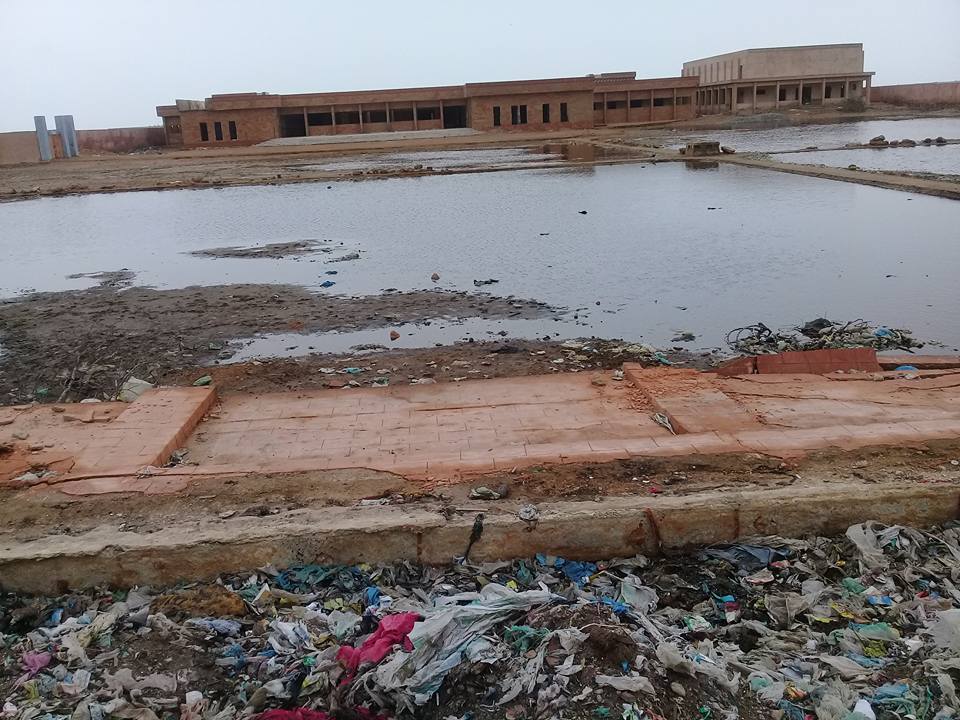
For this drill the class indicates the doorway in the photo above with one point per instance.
(807, 95)
(293, 126)
(454, 116)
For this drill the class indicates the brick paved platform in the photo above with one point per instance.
(100, 439)
(445, 431)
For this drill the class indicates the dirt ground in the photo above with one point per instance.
(509, 357)
(71, 345)
(27, 515)
(206, 167)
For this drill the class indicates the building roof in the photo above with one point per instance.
(780, 48)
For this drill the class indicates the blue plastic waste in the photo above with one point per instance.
(327, 283)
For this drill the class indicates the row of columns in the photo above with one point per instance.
(711, 97)
(651, 93)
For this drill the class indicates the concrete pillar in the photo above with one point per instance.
(651, 104)
(800, 93)
(866, 98)
(306, 123)
(360, 115)
(604, 108)
(43, 138)
(441, 114)
(628, 106)
(777, 96)
(68, 135)
(674, 103)
(386, 106)
(754, 97)
(333, 117)
(823, 90)
(415, 127)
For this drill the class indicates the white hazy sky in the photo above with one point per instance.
(110, 62)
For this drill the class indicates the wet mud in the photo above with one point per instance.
(71, 345)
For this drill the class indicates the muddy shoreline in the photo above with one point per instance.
(75, 344)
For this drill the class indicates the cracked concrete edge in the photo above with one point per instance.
(585, 530)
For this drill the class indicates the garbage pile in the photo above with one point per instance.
(819, 334)
(863, 627)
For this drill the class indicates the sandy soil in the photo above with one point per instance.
(76, 344)
(27, 515)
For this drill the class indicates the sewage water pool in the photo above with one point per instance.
(660, 249)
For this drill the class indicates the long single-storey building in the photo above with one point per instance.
(549, 104)
(757, 80)
(765, 79)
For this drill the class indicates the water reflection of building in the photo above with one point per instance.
(765, 79)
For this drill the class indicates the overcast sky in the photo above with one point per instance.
(110, 62)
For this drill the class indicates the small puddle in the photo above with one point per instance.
(412, 335)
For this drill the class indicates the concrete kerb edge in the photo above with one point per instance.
(578, 530)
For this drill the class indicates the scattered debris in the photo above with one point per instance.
(819, 334)
(484, 493)
(862, 626)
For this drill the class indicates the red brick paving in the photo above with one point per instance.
(446, 430)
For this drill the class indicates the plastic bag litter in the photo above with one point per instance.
(785, 608)
(673, 659)
(643, 599)
(626, 683)
(847, 668)
(945, 630)
(441, 641)
(748, 558)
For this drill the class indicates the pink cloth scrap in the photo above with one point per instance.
(393, 630)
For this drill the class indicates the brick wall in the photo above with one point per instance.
(19, 147)
(579, 111)
(923, 94)
(253, 126)
(119, 140)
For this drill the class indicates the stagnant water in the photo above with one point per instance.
(942, 160)
(661, 248)
(797, 137)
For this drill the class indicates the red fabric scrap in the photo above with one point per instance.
(303, 713)
(393, 630)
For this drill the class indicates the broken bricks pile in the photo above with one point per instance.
(864, 626)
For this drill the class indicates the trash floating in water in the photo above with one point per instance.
(863, 626)
(819, 334)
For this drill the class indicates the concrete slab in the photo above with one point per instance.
(613, 527)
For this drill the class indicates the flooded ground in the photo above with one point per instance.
(797, 137)
(436, 159)
(487, 158)
(660, 249)
(936, 159)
